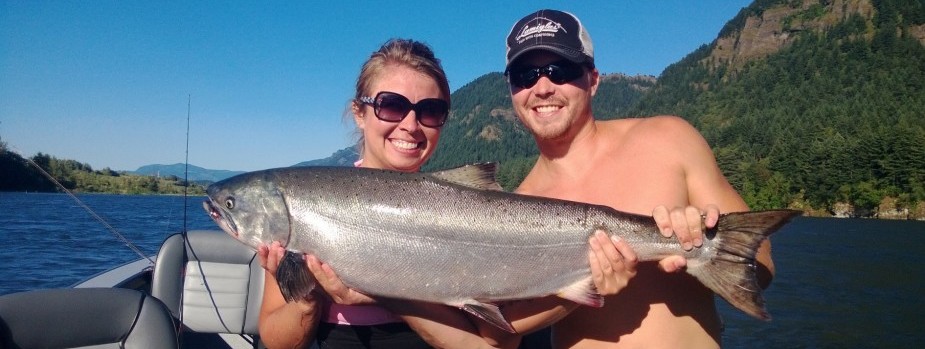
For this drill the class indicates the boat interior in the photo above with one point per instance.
(204, 290)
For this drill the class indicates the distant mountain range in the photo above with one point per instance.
(196, 173)
(343, 157)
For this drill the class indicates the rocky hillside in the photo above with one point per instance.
(765, 27)
(811, 104)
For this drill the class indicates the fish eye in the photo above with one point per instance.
(229, 203)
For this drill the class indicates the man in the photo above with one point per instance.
(632, 165)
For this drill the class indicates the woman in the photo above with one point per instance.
(401, 102)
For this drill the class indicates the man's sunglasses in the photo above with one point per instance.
(558, 72)
(393, 107)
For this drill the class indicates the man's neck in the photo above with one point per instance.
(570, 153)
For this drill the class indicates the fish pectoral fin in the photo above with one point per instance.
(295, 281)
(488, 312)
(478, 176)
(583, 292)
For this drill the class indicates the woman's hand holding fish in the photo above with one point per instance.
(333, 286)
(269, 256)
(688, 224)
(613, 263)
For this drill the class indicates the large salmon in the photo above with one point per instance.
(453, 237)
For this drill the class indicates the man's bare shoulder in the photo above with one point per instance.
(654, 132)
(647, 126)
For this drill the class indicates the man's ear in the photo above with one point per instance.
(594, 80)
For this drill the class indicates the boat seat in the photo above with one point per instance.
(210, 282)
(84, 317)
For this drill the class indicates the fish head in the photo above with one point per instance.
(251, 208)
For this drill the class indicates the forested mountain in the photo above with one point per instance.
(482, 127)
(811, 103)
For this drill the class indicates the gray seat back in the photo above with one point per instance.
(210, 281)
(83, 317)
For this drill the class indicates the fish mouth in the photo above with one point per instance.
(215, 212)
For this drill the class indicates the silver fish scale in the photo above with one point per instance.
(461, 242)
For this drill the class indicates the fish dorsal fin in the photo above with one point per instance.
(478, 176)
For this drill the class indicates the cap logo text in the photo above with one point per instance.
(539, 27)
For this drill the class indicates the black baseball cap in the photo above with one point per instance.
(551, 30)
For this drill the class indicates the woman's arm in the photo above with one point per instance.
(282, 324)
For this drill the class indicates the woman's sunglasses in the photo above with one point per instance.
(558, 72)
(393, 107)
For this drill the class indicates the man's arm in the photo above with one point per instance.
(708, 186)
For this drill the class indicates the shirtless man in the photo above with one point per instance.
(632, 165)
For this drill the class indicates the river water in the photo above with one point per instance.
(841, 283)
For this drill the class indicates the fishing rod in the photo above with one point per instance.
(189, 101)
(189, 247)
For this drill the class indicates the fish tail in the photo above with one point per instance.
(732, 272)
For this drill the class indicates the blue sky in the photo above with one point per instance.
(106, 82)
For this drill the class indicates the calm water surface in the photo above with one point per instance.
(50, 241)
(841, 283)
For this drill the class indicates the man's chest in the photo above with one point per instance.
(636, 190)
